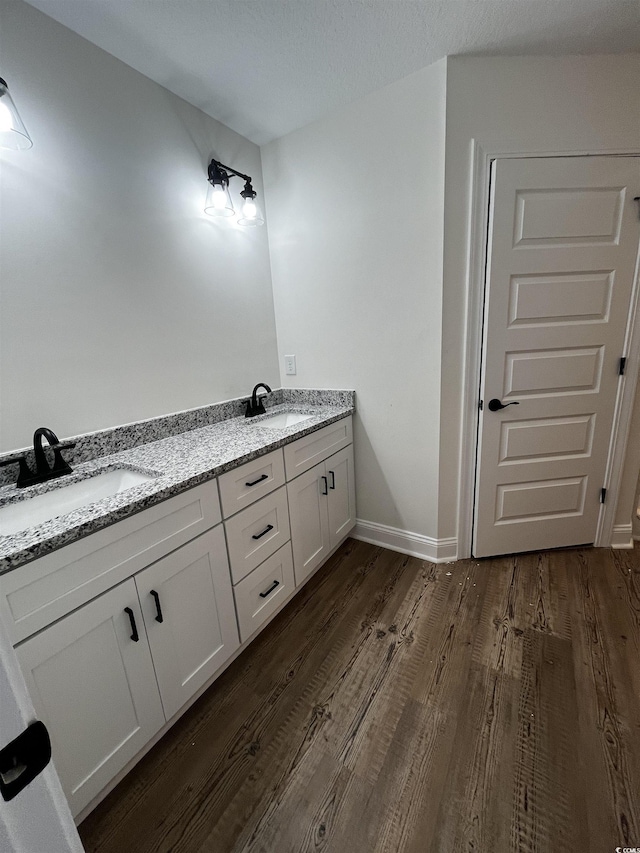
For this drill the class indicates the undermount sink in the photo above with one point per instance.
(67, 497)
(283, 420)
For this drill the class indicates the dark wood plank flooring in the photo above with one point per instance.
(395, 706)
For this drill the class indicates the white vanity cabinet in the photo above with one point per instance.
(92, 682)
(118, 631)
(321, 510)
(104, 674)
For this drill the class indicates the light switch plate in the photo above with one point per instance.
(290, 365)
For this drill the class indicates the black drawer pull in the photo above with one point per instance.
(326, 492)
(259, 480)
(264, 532)
(159, 616)
(134, 629)
(333, 480)
(270, 590)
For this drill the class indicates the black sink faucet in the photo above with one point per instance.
(255, 406)
(44, 471)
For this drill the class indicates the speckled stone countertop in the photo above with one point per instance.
(177, 462)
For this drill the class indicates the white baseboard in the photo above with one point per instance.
(413, 544)
(622, 536)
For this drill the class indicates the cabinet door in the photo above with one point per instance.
(342, 494)
(309, 521)
(95, 689)
(190, 591)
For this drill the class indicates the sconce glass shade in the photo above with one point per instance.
(13, 133)
(250, 213)
(218, 201)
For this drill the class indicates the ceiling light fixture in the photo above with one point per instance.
(218, 201)
(13, 133)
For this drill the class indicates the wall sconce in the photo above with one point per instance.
(218, 202)
(13, 133)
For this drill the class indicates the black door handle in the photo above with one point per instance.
(264, 532)
(270, 590)
(326, 488)
(134, 629)
(495, 405)
(333, 480)
(23, 758)
(259, 480)
(156, 598)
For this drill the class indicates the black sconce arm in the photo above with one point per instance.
(216, 165)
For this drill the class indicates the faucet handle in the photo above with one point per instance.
(5, 462)
(60, 464)
(25, 474)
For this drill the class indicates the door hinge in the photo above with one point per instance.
(603, 495)
(481, 405)
(622, 366)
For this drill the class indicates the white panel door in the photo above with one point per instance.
(188, 609)
(342, 494)
(309, 520)
(562, 250)
(94, 687)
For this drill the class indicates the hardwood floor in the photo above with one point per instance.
(401, 707)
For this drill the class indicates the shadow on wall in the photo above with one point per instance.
(375, 499)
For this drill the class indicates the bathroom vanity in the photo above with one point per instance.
(127, 610)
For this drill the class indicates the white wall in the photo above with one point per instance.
(120, 299)
(355, 204)
(530, 105)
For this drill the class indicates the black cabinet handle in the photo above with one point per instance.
(326, 492)
(159, 616)
(333, 480)
(270, 590)
(259, 480)
(264, 532)
(134, 629)
(495, 405)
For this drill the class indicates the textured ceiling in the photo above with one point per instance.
(265, 67)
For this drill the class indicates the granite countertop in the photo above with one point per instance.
(177, 463)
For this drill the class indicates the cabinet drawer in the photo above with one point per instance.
(306, 452)
(264, 591)
(34, 595)
(256, 533)
(250, 482)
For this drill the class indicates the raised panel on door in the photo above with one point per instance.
(95, 689)
(190, 591)
(342, 494)
(308, 513)
(560, 264)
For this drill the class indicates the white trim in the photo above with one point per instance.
(622, 536)
(413, 544)
(621, 426)
(481, 157)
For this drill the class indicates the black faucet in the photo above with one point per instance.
(44, 471)
(255, 406)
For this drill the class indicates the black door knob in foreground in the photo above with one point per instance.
(495, 405)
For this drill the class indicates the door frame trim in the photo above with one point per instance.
(477, 225)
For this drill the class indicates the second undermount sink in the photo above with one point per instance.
(66, 497)
(283, 420)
